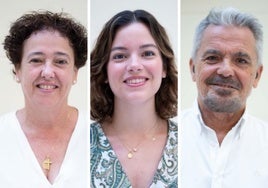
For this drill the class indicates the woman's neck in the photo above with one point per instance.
(134, 117)
(46, 118)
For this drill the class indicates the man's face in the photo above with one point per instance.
(225, 68)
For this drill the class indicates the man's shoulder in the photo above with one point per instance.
(256, 128)
(256, 122)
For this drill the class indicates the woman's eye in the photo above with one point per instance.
(148, 54)
(61, 62)
(119, 56)
(36, 60)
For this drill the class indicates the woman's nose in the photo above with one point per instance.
(47, 71)
(134, 65)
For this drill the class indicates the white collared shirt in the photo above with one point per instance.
(241, 161)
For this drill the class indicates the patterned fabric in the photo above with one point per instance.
(106, 170)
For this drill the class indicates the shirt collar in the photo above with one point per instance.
(237, 129)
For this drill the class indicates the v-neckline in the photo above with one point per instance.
(106, 140)
(30, 155)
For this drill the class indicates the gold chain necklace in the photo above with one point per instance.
(134, 149)
(47, 161)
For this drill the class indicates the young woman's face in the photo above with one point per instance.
(47, 69)
(135, 68)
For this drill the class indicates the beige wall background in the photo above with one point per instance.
(165, 13)
(192, 12)
(11, 97)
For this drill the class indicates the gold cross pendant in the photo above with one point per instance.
(46, 163)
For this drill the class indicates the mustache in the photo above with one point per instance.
(223, 81)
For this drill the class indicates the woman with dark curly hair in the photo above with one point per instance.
(133, 97)
(44, 143)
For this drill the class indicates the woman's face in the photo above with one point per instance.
(135, 68)
(47, 69)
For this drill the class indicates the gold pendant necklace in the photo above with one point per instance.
(132, 151)
(47, 163)
(130, 155)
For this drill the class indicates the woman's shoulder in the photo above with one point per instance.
(95, 127)
(173, 125)
(95, 133)
(8, 122)
(5, 118)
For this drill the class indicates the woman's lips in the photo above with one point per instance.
(47, 86)
(135, 81)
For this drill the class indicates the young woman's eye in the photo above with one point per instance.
(119, 56)
(148, 54)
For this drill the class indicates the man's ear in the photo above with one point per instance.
(192, 69)
(257, 76)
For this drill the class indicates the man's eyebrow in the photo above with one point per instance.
(211, 51)
(242, 54)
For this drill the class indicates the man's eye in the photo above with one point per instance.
(241, 61)
(212, 59)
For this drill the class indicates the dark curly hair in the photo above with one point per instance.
(102, 98)
(36, 21)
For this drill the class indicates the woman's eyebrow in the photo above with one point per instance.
(148, 45)
(118, 48)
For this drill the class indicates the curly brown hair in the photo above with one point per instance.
(102, 97)
(36, 21)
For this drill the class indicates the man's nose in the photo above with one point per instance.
(226, 68)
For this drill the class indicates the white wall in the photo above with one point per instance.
(11, 97)
(166, 13)
(190, 17)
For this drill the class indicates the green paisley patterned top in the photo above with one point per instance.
(106, 170)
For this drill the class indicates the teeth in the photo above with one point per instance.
(47, 86)
(135, 81)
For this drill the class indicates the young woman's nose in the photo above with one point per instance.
(134, 65)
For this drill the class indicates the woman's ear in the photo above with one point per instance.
(17, 75)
